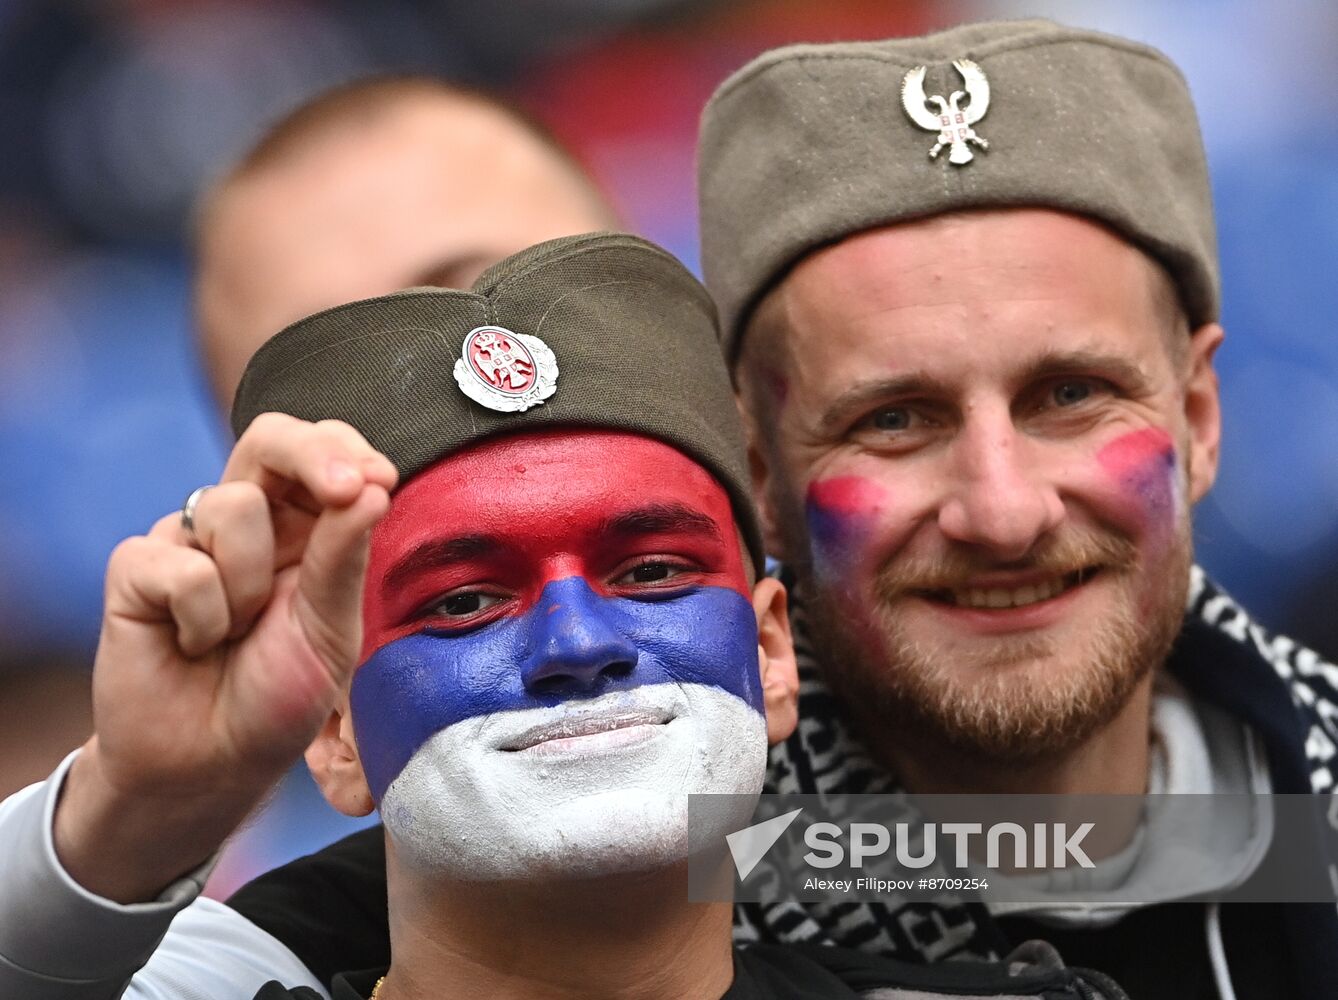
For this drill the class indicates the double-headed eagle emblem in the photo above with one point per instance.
(951, 121)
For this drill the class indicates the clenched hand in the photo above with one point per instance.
(221, 656)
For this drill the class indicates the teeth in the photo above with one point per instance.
(998, 597)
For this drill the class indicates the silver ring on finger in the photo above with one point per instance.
(188, 514)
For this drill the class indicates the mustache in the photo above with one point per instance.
(955, 568)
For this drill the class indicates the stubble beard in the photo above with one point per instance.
(1017, 703)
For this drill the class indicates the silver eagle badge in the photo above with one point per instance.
(506, 371)
(951, 121)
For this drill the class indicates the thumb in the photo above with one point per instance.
(328, 603)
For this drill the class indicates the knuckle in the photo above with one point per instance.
(267, 424)
(239, 500)
(342, 434)
(127, 554)
(195, 578)
(166, 523)
(252, 507)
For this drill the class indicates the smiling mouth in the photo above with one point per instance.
(572, 729)
(1007, 598)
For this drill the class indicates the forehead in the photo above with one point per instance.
(439, 155)
(433, 193)
(981, 290)
(550, 487)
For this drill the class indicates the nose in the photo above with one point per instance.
(576, 643)
(1002, 498)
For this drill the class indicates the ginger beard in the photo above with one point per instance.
(1011, 697)
(561, 648)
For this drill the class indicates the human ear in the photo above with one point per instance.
(336, 767)
(776, 660)
(1203, 410)
(760, 476)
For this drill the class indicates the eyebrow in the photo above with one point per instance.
(438, 553)
(1054, 363)
(656, 518)
(921, 383)
(649, 519)
(863, 394)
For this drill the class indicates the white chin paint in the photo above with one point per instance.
(576, 806)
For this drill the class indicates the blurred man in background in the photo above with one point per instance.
(382, 184)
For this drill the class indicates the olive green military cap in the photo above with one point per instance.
(604, 330)
(811, 143)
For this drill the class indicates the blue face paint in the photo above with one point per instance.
(570, 644)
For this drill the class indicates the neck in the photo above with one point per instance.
(631, 937)
(1111, 761)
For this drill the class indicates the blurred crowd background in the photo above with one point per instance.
(114, 113)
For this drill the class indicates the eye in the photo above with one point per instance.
(653, 574)
(1071, 392)
(896, 427)
(891, 418)
(464, 605)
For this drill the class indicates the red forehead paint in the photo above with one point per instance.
(517, 513)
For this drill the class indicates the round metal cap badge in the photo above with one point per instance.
(506, 371)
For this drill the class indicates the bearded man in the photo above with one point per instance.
(973, 337)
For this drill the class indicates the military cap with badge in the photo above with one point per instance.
(601, 330)
(810, 143)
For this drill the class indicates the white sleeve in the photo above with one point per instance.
(60, 942)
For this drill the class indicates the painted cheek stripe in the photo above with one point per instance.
(1144, 464)
(840, 513)
(411, 688)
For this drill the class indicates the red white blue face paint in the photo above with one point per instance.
(560, 646)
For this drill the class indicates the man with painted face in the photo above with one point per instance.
(560, 636)
(969, 293)
(561, 639)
